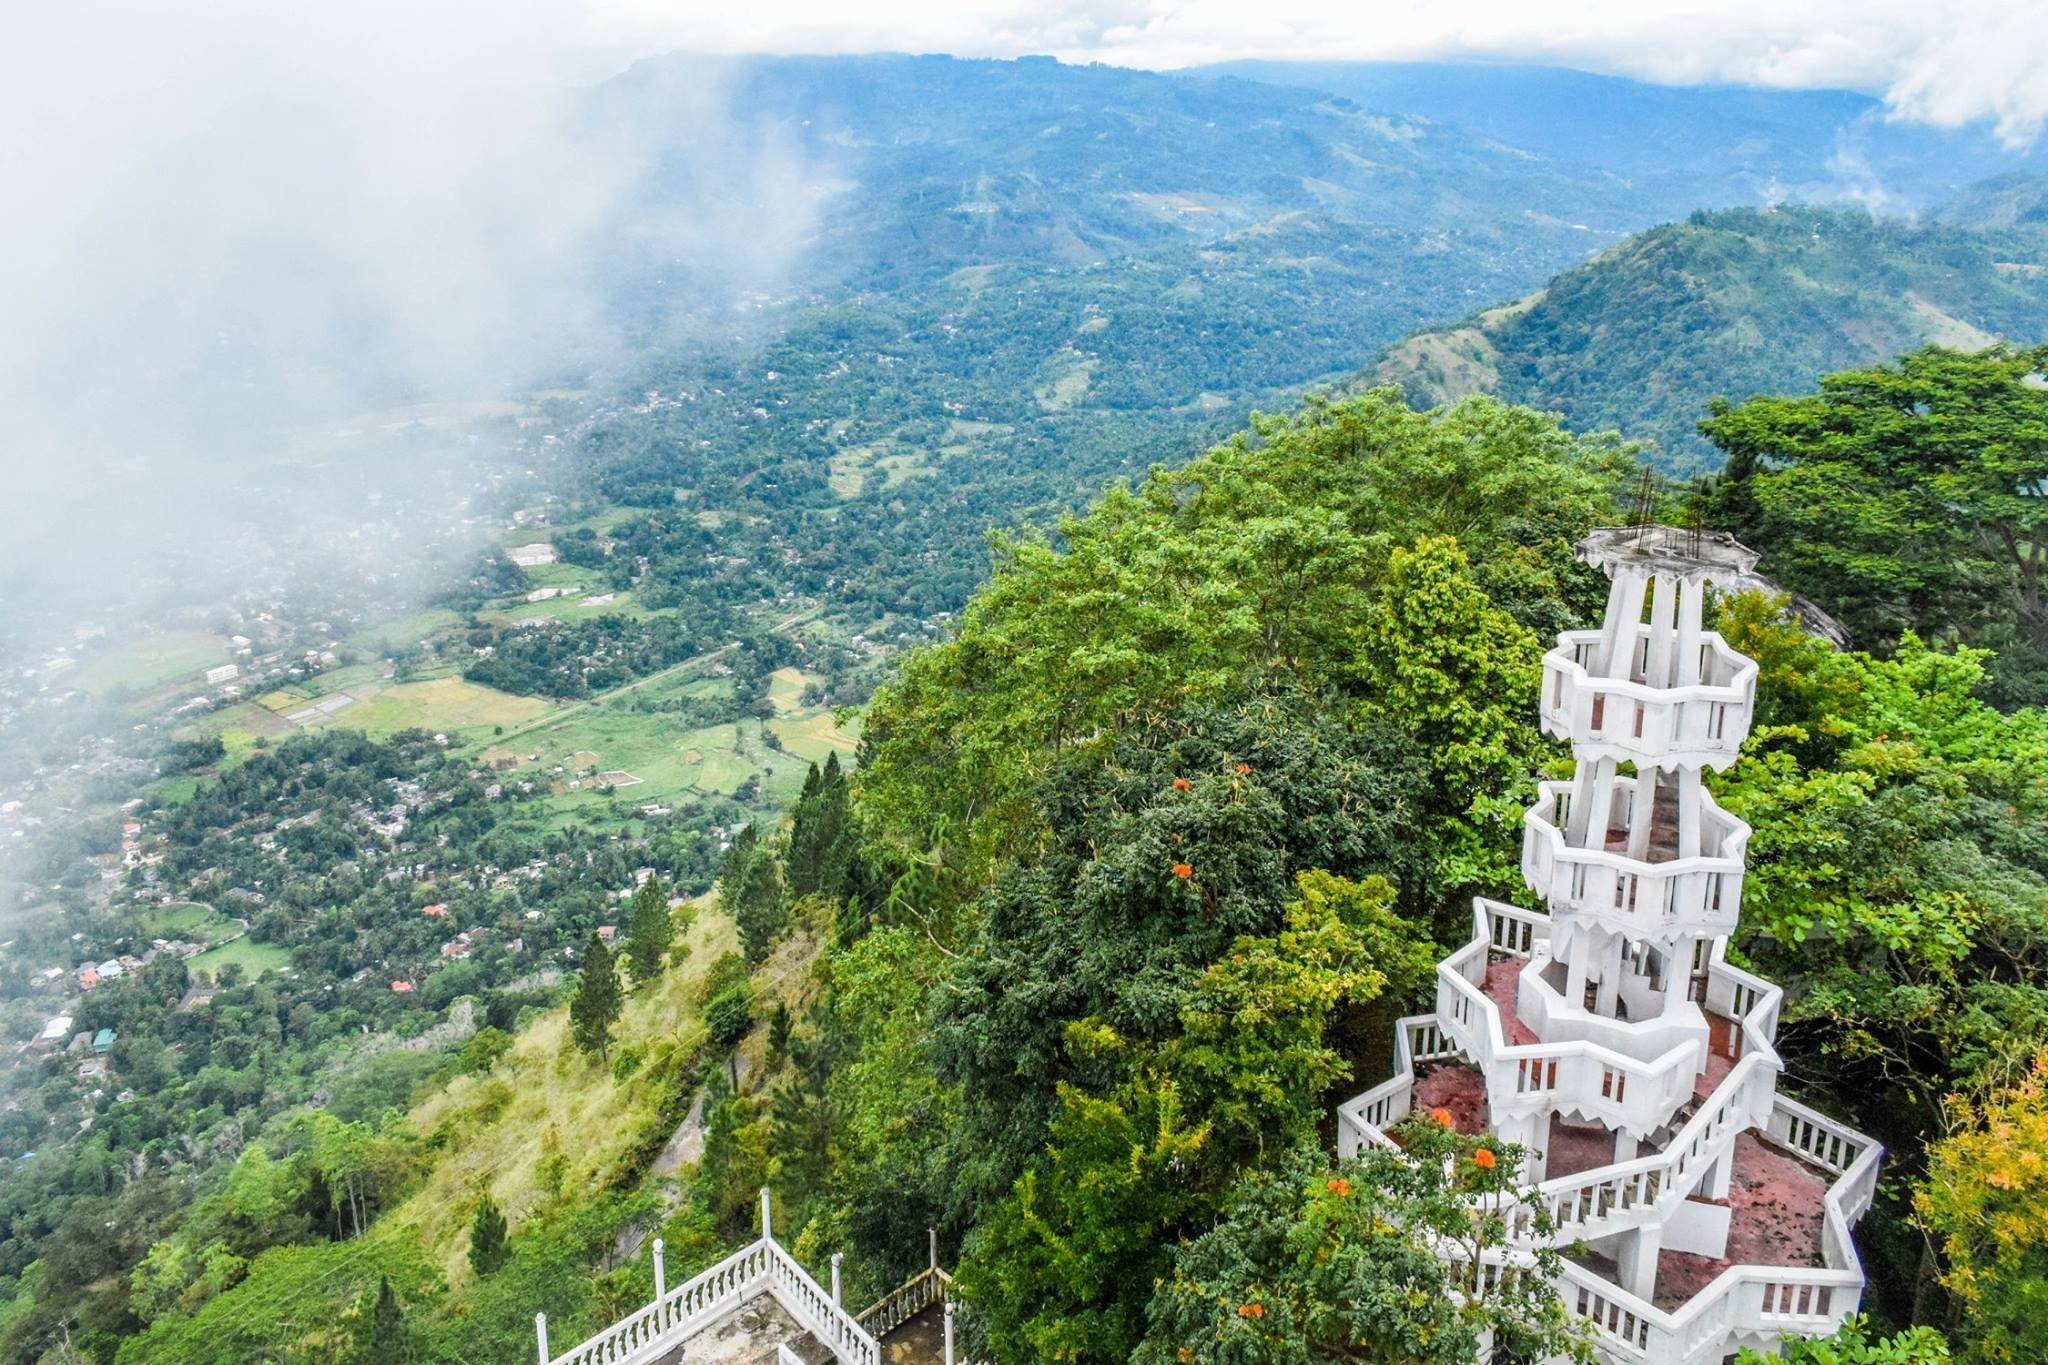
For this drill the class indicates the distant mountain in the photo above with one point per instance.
(935, 163)
(1731, 303)
(1679, 148)
(2004, 203)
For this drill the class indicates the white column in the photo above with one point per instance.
(540, 1330)
(764, 1211)
(1617, 607)
(1657, 671)
(837, 1257)
(1637, 1258)
(1610, 976)
(1624, 1146)
(1592, 804)
(1677, 974)
(660, 1273)
(1714, 1184)
(1691, 608)
(1689, 812)
(949, 1332)
(1575, 966)
(1624, 615)
(1642, 813)
(932, 1237)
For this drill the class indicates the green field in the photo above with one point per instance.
(151, 661)
(255, 958)
(190, 920)
(241, 725)
(673, 758)
(449, 705)
(409, 629)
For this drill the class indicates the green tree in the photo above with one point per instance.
(1050, 1270)
(1315, 1260)
(649, 930)
(1265, 554)
(1908, 497)
(1985, 1201)
(750, 890)
(488, 1248)
(1852, 1344)
(380, 1330)
(598, 1001)
(1459, 676)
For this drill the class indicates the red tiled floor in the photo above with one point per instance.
(1457, 1089)
(1577, 1147)
(1774, 1202)
(1502, 976)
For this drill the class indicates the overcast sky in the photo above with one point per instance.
(1944, 61)
(230, 218)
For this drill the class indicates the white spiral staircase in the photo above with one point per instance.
(1613, 1024)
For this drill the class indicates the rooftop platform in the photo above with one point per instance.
(1695, 556)
(746, 1335)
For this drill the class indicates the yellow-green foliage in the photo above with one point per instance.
(494, 1123)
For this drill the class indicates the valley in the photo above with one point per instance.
(1152, 489)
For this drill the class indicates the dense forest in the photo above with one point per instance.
(1136, 868)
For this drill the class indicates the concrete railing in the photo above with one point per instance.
(1700, 895)
(1641, 720)
(761, 1267)
(1363, 1120)
(905, 1301)
(1622, 1092)
(1747, 1300)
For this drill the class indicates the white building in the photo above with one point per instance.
(1609, 1037)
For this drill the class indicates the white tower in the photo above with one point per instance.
(1610, 1037)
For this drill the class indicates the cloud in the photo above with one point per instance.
(1946, 64)
(237, 225)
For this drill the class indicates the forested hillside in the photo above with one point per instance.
(1126, 891)
(1730, 304)
(910, 736)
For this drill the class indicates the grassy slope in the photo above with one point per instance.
(496, 1122)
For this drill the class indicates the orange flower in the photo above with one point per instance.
(1243, 768)
(1442, 1116)
(1483, 1159)
(1339, 1187)
(1183, 871)
(1181, 784)
(1251, 1310)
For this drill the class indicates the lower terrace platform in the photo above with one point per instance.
(1776, 1213)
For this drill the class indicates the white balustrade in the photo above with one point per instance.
(1700, 896)
(1618, 1090)
(762, 1267)
(1632, 718)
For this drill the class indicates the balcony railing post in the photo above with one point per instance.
(949, 1332)
(837, 1257)
(540, 1330)
(660, 1278)
(764, 1213)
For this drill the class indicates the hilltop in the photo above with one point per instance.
(1732, 304)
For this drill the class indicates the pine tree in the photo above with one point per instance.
(488, 1249)
(380, 1334)
(597, 1004)
(649, 930)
